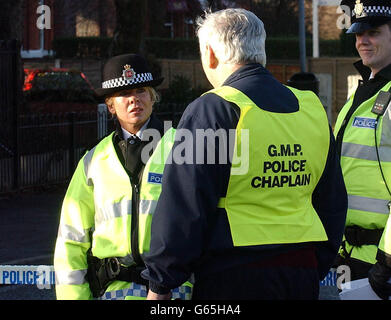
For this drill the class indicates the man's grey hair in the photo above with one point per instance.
(236, 36)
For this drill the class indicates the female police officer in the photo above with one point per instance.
(106, 214)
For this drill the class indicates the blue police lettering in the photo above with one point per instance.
(20, 277)
(155, 178)
(330, 279)
(6, 275)
(361, 122)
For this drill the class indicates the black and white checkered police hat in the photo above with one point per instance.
(127, 71)
(367, 14)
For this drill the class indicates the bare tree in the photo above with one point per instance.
(11, 26)
(279, 16)
(131, 24)
(216, 4)
(195, 8)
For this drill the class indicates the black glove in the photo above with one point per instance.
(378, 276)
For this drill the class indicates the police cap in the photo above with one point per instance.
(124, 72)
(367, 14)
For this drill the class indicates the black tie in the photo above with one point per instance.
(133, 155)
(133, 140)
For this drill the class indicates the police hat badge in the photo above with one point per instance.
(128, 72)
(359, 9)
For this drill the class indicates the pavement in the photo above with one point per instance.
(28, 230)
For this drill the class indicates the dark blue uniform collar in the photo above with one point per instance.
(245, 71)
(365, 71)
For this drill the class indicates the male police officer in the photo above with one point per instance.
(363, 134)
(267, 223)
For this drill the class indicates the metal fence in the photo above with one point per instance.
(8, 103)
(50, 145)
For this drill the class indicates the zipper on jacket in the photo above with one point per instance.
(135, 225)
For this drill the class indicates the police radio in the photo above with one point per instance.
(382, 101)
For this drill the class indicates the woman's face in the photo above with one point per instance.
(132, 107)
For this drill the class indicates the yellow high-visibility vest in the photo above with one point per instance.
(367, 194)
(275, 168)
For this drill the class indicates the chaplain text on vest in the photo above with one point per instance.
(282, 170)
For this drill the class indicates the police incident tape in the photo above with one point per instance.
(43, 276)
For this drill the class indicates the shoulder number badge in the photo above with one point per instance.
(128, 73)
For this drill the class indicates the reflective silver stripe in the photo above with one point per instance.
(359, 151)
(71, 233)
(71, 277)
(114, 210)
(87, 162)
(368, 204)
(148, 206)
(386, 129)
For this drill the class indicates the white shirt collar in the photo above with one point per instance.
(139, 133)
(371, 76)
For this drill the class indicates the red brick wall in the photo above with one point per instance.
(31, 34)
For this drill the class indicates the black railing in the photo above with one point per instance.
(9, 50)
(50, 146)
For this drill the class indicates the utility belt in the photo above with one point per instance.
(102, 272)
(357, 236)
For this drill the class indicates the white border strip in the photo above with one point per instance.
(43, 276)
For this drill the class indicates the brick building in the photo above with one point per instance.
(46, 19)
(37, 39)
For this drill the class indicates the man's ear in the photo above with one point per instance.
(212, 59)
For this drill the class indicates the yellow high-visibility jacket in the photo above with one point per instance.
(97, 214)
(368, 197)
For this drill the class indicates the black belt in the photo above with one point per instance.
(101, 272)
(357, 236)
(131, 274)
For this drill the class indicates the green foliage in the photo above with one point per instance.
(154, 65)
(347, 43)
(60, 86)
(160, 48)
(285, 48)
(180, 91)
(81, 47)
(173, 48)
(99, 47)
(179, 94)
